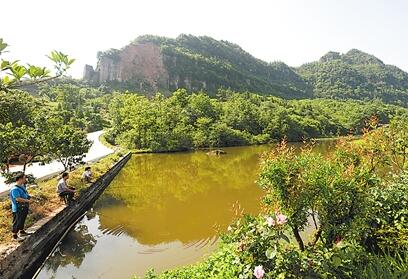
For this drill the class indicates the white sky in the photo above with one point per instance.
(292, 31)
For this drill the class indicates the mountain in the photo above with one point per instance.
(356, 75)
(152, 63)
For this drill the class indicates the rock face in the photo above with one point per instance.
(138, 63)
(152, 63)
(90, 74)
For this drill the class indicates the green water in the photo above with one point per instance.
(161, 211)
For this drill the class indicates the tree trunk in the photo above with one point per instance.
(8, 165)
(314, 220)
(63, 162)
(317, 236)
(298, 238)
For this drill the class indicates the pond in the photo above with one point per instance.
(161, 211)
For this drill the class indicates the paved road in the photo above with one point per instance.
(97, 151)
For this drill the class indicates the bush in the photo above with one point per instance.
(388, 216)
(357, 208)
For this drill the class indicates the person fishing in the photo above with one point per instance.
(87, 175)
(64, 191)
(20, 202)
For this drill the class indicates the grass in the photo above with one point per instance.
(104, 141)
(47, 198)
(387, 267)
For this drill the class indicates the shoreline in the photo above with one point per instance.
(47, 231)
(138, 151)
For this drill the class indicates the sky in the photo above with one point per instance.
(291, 31)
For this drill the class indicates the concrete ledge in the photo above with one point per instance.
(26, 258)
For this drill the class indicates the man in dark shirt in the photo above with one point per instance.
(20, 201)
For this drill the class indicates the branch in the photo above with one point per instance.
(298, 238)
(28, 83)
(314, 220)
(33, 82)
(317, 236)
(61, 159)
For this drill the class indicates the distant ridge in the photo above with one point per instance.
(356, 75)
(151, 63)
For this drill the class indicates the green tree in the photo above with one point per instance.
(22, 132)
(66, 143)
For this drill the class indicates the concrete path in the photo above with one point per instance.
(97, 151)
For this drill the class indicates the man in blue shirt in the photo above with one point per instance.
(20, 201)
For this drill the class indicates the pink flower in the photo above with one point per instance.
(259, 272)
(229, 228)
(281, 219)
(270, 221)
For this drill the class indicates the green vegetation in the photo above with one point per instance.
(356, 75)
(14, 75)
(45, 195)
(85, 106)
(356, 208)
(203, 63)
(49, 123)
(354, 199)
(33, 129)
(186, 121)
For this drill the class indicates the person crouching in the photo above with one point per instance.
(64, 191)
(87, 176)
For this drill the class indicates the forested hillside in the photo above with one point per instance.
(209, 64)
(151, 64)
(356, 75)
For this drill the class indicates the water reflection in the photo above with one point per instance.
(167, 197)
(72, 251)
(161, 211)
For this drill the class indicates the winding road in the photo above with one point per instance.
(97, 151)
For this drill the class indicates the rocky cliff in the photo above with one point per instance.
(151, 63)
(138, 63)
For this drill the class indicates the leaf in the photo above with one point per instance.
(18, 71)
(3, 45)
(271, 253)
(4, 65)
(336, 261)
(284, 237)
(6, 80)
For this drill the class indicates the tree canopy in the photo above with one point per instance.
(185, 121)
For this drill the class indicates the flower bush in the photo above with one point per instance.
(355, 202)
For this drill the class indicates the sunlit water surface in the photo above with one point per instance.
(161, 211)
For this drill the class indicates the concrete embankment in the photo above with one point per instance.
(25, 259)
